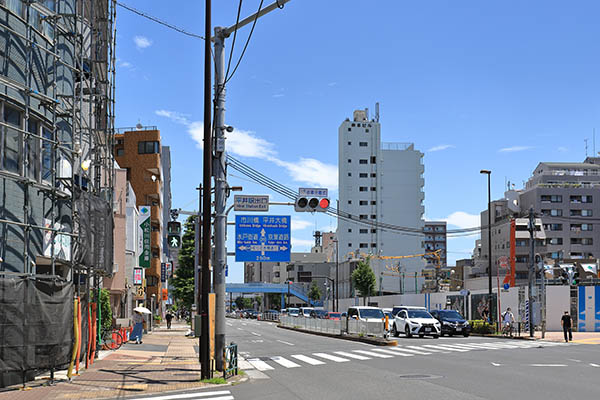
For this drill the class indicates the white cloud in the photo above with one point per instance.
(332, 84)
(304, 243)
(299, 224)
(514, 148)
(246, 144)
(463, 219)
(142, 42)
(125, 64)
(562, 149)
(278, 95)
(441, 147)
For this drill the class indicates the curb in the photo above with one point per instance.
(373, 341)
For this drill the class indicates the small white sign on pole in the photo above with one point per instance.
(250, 203)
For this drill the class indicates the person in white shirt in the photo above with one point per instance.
(508, 318)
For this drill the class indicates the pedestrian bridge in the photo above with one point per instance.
(283, 288)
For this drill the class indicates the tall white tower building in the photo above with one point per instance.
(380, 182)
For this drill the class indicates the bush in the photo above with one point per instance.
(482, 327)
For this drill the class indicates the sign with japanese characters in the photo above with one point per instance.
(250, 203)
(315, 192)
(264, 238)
(144, 237)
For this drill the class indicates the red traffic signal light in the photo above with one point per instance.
(312, 204)
(324, 203)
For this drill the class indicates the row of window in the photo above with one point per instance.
(360, 144)
(366, 189)
(364, 202)
(364, 175)
(365, 160)
(366, 245)
(557, 198)
(366, 130)
(431, 229)
(553, 241)
(572, 213)
(148, 147)
(572, 227)
(36, 19)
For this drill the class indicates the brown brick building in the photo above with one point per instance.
(138, 150)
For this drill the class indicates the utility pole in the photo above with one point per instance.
(531, 268)
(490, 303)
(220, 172)
(202, 300)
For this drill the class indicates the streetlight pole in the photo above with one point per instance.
(336, 297)
(220, 172)
(490, 303)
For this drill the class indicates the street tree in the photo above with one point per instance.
(363, 279)
(183, 280)
(314, 293)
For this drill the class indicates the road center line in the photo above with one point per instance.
(256, 334)
(547, 365)
(594, 365)
(284, 342)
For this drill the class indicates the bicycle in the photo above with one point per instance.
(112, 339)
(507, 329)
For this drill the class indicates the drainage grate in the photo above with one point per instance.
(418, 376)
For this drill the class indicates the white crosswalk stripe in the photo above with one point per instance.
(259, 364)
(424, 349)
(285, 362)
(308, 360)
(351, 355)
(423, 353)
(330, 357)
(372, 354)
(396, 352)
(445, 347)
(220, 395)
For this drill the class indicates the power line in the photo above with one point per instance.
(247, 42)
(159, 21)
(237, 21)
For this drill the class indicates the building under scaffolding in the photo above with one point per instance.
(57, 66)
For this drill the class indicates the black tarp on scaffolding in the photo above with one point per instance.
(36, 326)
(95, 244)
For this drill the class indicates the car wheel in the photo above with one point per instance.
(395, 331)
(436, 336)
(421, 336)
(466, 335)
(450, 334)
(407, 331)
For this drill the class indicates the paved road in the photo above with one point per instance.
(285, 364)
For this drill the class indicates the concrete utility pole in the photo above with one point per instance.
(220, 174)
(531, 268)
(490, 302)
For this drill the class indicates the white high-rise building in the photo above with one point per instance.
(380, 182)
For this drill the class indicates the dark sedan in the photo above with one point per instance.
(452, 322)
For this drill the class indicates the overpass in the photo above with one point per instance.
(283, 288)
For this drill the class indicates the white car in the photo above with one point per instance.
(416, 321)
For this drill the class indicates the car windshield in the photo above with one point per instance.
(450, 314)
(418, 314)
(371, 313)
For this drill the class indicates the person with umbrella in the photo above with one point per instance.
(138, 323)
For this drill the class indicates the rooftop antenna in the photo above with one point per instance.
(377, 112)
(586, 147)
(594, 132)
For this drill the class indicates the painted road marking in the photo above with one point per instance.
(351, 355)
(547, 365)
(394, 351)
(496, 364)
(256, 334)
(284, 342)
(445, 347)
(370, 353)
(594, 365)
(259, 364)
(192, 395)
(285, 362)
(424, 349)
(308, 360)
(330, 357)
(412, 351)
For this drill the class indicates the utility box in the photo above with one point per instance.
(197, 325)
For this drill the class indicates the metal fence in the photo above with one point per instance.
(335, 327)
(231, 360)
(267, 316)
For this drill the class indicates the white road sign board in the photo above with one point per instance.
(250, 203)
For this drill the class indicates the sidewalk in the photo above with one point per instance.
(578, 337)
(165, 361)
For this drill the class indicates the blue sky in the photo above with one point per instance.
(500, 85)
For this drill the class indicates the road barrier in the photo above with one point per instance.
(335, 327)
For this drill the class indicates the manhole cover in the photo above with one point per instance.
(418, 376)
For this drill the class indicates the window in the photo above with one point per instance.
(373, 202)
(522, 259)
(556, 254)
(363, 189)
(46, 154)
(349, 230)
(363, 144)
(373, 175)
(553, 227)
(581, 199)
(583, 241)
(552, 213)
(373, 245)
(373, 189)
(363, 202)
(363, 216)
(373, 230)
(373, 160)
(148, 147)
(363, 175)
(120, 152)
(580, 213)
(363, 161)
(11, 146)
(522, 243)
(366, 130)
(554, 241)
(349, 173)
(349, 143)
(32, 150)
(554, 198)
(349, 160)
(581, 227)
(373, 216)
(349, 244)
(349, 129)
(364, 245)
(364, 231)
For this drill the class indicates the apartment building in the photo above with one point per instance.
(138, 151)
(379, 182)
(435, 239)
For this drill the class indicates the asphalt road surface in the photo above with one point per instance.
(284, 364)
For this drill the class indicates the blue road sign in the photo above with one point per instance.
(506, 286)
(264, 238)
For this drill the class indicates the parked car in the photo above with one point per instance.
(364, 313)
(305, 311)
(416, 321)
(320, 314)
(452, 322)
(335, 316)
(293, 312)
(247, 313)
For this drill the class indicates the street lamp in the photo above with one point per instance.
(489, 173)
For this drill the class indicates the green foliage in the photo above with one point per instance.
(243, 303)
(183, 280)
(215, 381)
(258, 300)
(482, 327)
(274, 300)
(106, 310)
(363, 279)
(314, 293)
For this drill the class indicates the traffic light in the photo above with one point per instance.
(311, 204)
(564, 277)
(575, 278)
(174, 241)
(174, 228)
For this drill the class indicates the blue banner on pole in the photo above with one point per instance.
(264, 238)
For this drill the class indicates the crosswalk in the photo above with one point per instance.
(314, 359)
(199, 395)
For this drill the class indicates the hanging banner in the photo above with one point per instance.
(144, 237)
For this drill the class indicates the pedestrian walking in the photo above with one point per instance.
(138, 327)
(567, 324)
(169, 318)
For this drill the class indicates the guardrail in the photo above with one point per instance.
(231, 360)
(335, 327)
(266, 316)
